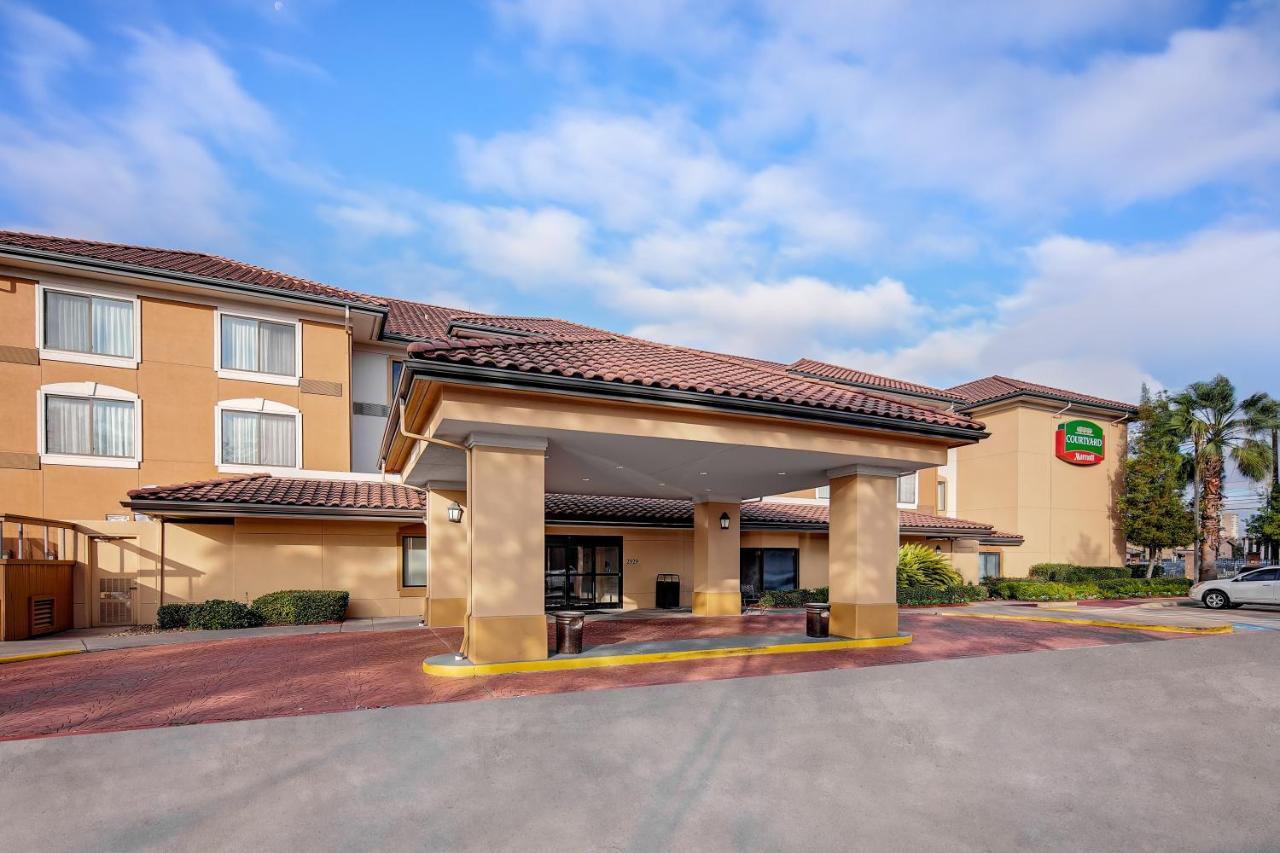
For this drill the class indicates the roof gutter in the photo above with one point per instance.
(496, 377)
(80, 262)
(218, 509)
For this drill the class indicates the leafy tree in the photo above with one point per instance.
(1265, 526)
(1209, 417)
(1152, 510)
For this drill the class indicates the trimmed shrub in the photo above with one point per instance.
(920, 565)
(174, 615)
(217, 614)
(1143, 588)
(1072, 573)
(793, 597)
(1030, 589)
(958, 594)
(302, 606)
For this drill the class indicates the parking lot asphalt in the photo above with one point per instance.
(1147, 746)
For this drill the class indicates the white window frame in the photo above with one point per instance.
(261, 406)
(913, 504)
(47, 354)
(941, 496)
(88, 391)
(253, 375)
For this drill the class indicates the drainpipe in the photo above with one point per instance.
(162, 528)
(470, 516)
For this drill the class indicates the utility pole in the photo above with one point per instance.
(1196, 505)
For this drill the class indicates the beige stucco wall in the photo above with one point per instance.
(178, 384)
(1013, 481)
(246, 559)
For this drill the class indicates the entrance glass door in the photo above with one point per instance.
(583, 572)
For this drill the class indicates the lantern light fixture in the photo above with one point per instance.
(455, 512)
(724, 521)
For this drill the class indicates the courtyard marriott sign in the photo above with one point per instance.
(1080, 443)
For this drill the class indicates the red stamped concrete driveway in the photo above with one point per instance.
(286, 676)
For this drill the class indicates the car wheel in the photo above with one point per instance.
(1216, 599)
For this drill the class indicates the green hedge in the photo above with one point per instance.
(793, 597)
(302, 606)
(954, 594)
(1072, 573)
(1030, 589)
(170, 616)
(217, 614)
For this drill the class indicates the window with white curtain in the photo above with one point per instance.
(907, 488)
(258, 346)
(259, 438)
(95, 325)
(413, 561)
(78, 426)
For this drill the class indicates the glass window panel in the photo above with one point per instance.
(780, 568)
(239, 438)
(276, 349)
(824, 492)
(608, 561)
(239, 343)
(942, 495)
(907, 488)
(68, 425)
(414, 561)
(112, 327)
(555, 589)
(67, 322)
(396, 368)
(278, 440)
(750, 572)
(112, 428)
(607, 589)
(581, 590)
(989, 564)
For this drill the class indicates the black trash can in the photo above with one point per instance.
(568, 633)
(817, 619)
(667, 595)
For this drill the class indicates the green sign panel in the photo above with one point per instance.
(1080, 443)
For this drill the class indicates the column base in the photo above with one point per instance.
(863, 621)
(717, 603)
(446, 612)
(498, 639)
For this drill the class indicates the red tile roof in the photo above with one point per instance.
(836, 373)
(998, 387)
(188, 263)
(266, 490)
(618, 359)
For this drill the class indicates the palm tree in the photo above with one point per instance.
(1209, 417)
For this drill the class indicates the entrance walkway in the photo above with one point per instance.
(182, 684)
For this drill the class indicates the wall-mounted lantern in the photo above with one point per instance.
(724, 521)
(455, 512)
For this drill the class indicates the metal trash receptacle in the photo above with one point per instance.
(569, 633)
(667, 594)
(817, 619)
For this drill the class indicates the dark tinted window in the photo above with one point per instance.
(1264, 575)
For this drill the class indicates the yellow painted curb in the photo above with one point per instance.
(1101, 623)
(558, 664)
(39, 655)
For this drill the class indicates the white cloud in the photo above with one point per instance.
(811, 223)
(698, 26)
(626, 170)
(40, 49)
(775, 319)
(526, 247)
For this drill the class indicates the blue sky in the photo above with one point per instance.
(1080, 193)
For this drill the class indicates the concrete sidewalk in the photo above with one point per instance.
(1056, 751)
(1156, 613)
(105, 639)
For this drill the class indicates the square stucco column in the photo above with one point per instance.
(964, 559)
(864, 553)
(717, 569)
(447, 557)
(508, 559)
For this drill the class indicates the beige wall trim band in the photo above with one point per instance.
(19, 355)
(25, 461)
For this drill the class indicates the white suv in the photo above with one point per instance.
(1260, 586)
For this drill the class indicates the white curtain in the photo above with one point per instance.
(112, 327)
(67, 425)
(239, 438)
(66, 322)
(251, 438)
(276, 348)
(112, 428)
(907, 489)
(278, 440)
(239, 343)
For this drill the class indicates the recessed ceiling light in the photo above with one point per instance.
(702, 473)
(586, 479)
(617, 467)
(782, 473)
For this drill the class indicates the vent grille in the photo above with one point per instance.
(375, 409)
(115, 601)
(41, 614)
(320, 386)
